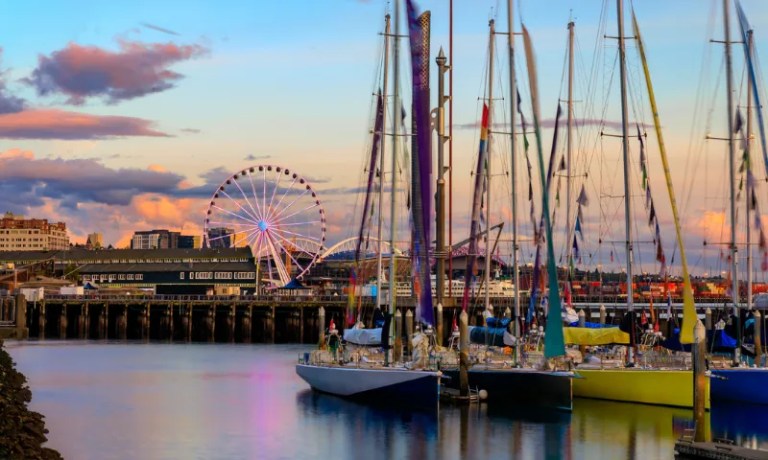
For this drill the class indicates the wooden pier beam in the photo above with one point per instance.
(397, 354)
(301, 324)
(271, 325)
(582, 323)
(602, 315)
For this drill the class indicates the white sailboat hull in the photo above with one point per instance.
(391, 385)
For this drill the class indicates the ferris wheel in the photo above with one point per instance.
(275, 212)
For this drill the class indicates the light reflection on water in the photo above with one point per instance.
(211, 401)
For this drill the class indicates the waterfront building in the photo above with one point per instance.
(20, 234)
(224, 271)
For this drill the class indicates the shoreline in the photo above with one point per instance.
(22, 431)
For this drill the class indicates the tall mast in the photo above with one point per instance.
(492, 27)
(393, 201)
(748, 164)
(513, 161)
(382, 137)
(569, 140)
(440, 250)
(625, 150)
(732, 178)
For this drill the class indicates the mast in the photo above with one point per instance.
(492, 26)
(569, 143)
(732, 180)
(393, 200)
(625, 151)
(440, 250)
(748, 164)
(382, 144)
(513, 162)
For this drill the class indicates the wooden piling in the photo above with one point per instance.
(41, 321)
(146, 322)
(186, 323)
(301, 324)
(103, 322)
(245, 326)
(409, 330)
(122, 323)
(63, 322)
(440, 324)
(321, 322)
(231, 324)
(81, 322)
(758, 338)
(397, 355)
(602, 315)
(708, 319)
(463, 354)
(582, 323)
(699, 380)
(210, 323)
(271, 324)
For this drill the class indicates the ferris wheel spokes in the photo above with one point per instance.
(258, 214)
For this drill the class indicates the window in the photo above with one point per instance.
(181, 275)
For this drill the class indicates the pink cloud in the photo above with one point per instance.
(137, 69)
(61, 124)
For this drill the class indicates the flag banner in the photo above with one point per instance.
(421, 157)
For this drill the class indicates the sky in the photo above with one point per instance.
(122, 116)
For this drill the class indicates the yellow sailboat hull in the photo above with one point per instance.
(661, 387)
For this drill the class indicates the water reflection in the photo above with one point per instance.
(154, 401)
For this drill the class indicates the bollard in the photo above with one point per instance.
(708, 319)
(409, 330)
(463, 354)
(602, 315)
(699, 379)
(758, 338)
(439, 324)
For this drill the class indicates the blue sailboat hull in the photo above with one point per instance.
(739, 385)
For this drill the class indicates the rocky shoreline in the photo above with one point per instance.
(22, 431)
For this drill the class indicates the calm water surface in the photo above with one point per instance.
(178, 401)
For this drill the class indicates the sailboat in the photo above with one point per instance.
(409, 383)
(513, 382)
(742, 384)
(630, 383)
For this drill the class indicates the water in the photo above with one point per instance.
(178, 401)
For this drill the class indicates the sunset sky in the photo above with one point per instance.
(122, 116)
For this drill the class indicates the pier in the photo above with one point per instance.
(229, 319)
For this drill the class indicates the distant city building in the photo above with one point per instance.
(155, 239)
(95, 241)
(221, 237)
(190, 242)
(20, 234)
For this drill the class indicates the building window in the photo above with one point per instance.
(181, 275)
